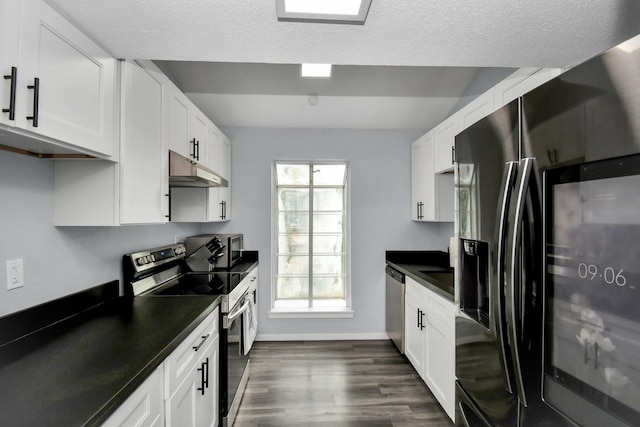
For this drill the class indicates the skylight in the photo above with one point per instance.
(324, 11)
(315, 70)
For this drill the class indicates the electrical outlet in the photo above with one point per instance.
(15, 274)
(176, 239)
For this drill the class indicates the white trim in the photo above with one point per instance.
(323, 337)
(300, 313)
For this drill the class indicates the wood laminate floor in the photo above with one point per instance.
(337, 384)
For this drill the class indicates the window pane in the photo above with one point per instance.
(293, 199)
(292, 288)
(293, 244)
(329, 174)
(292, 174)
(328, 222)
(293, 222)
(327, 264)
(328, 199)
(328, 244)
(328, 288)
(293, 265)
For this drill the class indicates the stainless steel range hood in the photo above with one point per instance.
(185, 173)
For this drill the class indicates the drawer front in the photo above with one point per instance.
(184, 358)
(441, 310)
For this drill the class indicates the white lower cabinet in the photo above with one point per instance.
(191, 378)
(183, 391)
(430, 341)
(144, 408)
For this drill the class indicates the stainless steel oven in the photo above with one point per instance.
(165, 271)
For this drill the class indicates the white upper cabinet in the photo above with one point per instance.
(431, 192)
(422, 178)
(9, 29)
(66, 84)
(144, 186)
(445, 142)
(135, 190)
(188, 129)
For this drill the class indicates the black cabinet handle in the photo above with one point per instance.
(206, 377)
(198, 150)
(201, 370)
(420, 319)
(453, 154)
(192, 148)
(36, 101)
(222, 210)
(12, 95)
(204, 338)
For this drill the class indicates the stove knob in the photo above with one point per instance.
(152, 258)
(140, 261)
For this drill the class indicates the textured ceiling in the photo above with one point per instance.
(401, 33)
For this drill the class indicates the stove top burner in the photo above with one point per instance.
(195, 283)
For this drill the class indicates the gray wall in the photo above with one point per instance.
(58, 260)
(62, 260)
(380, 212)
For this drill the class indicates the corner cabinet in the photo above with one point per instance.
(61, 85)
(430, 341)
(431, 193)
(135, 190)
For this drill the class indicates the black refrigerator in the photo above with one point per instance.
(548, 219)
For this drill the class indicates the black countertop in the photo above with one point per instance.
(428, 268)
(79, 369)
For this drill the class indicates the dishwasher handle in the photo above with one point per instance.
(395, 274)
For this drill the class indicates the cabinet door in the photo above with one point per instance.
(179, 140)
(144, 184)
(207, 390)
(181, 407)
(478, 109)
(421, 178)
(9, 33)
(445, 143)
(75, 97)
(440, 363)
(143, 408)
(198, 133)
(415, 324)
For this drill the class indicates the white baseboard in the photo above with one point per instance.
(322, 337)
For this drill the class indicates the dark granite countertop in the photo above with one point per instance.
(79, 369)
(428, 268)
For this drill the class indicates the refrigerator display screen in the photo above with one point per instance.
(592, 284)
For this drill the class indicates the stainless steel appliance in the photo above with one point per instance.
(165, 271)
(221, 251)
(184, 172)
(548, 187)
(394, 313)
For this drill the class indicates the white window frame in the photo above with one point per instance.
(310, 312)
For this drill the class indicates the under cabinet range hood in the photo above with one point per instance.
(186, 173)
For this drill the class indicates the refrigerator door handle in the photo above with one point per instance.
(527, 172)
(508, 183)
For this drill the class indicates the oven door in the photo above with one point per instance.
(234, 360)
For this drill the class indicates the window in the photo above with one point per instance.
(310, 237)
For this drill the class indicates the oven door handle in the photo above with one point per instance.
(231, 317)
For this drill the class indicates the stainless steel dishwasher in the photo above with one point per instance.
(395, 306)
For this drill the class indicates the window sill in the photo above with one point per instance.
(311, 313)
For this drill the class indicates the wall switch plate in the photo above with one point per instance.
(15, 274)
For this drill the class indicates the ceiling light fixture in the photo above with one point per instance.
(315, 70)
(324, 11)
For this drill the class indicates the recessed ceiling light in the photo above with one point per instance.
(315, 70)
(326, 11)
